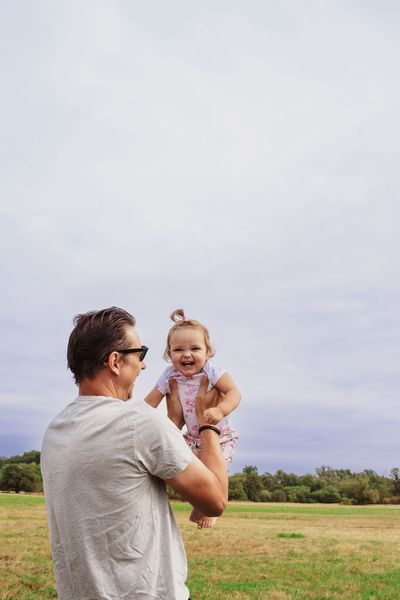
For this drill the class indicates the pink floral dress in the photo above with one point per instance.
(188, 388)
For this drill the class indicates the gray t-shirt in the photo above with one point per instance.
(113, 534)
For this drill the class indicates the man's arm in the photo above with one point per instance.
(205, 483)
(199, 485)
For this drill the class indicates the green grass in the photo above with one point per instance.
(286, 508)
(21, 500)
(255, 551)
(311, 509)
(298, 552)
(294, 536)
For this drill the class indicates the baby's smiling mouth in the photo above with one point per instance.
(187, 363)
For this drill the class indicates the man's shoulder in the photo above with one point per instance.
(141, 410)
(109, 413)
(144, 413)
(84, 409)
(154, 424)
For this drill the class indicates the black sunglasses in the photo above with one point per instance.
(142, 350)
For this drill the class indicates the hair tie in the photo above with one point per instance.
(178, 316)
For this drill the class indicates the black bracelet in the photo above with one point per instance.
(203, 427)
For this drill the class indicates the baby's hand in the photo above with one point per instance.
(213, 415)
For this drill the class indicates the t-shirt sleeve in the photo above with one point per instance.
(159, 446)
(162, 382)
(213, 372)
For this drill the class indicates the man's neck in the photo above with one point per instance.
(99, 387)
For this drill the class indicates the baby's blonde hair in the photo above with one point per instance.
(178, 317)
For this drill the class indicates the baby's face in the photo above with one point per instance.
(188, 351)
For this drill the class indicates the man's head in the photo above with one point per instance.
(96, 335)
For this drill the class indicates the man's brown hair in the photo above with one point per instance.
(96, 334)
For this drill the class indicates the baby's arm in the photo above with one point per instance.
(154, 397)
(231, 400)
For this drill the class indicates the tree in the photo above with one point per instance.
(236, 488)
(329, 475)
(395, 481)
(33, 456)
(265, 496)
(311, 481)
(298, 493)
(286, 479)
(268, 481)
(252, 483)
(384, 489)
(326, 472)
(278, 495)
(19, 477)
(250, 470)
(328, 494)
(357, 488)
(372, 496)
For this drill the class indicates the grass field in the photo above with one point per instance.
(257, 551)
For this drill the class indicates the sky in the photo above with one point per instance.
(237, 159)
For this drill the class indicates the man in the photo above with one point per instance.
(105, 462)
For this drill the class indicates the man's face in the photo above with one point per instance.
(130, 363)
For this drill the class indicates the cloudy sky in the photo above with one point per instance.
(236, 158)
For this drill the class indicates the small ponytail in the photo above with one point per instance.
(178, 316)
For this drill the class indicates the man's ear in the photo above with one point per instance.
(112, 362)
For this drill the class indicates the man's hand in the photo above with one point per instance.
(206, 401)
(173, 404)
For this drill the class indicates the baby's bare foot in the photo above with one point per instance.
(204, 522)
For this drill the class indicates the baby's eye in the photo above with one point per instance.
(196, 348)
(176, 349)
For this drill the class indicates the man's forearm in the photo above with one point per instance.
(211, 457)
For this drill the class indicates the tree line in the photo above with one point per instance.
(21, 473)
(327, 485)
